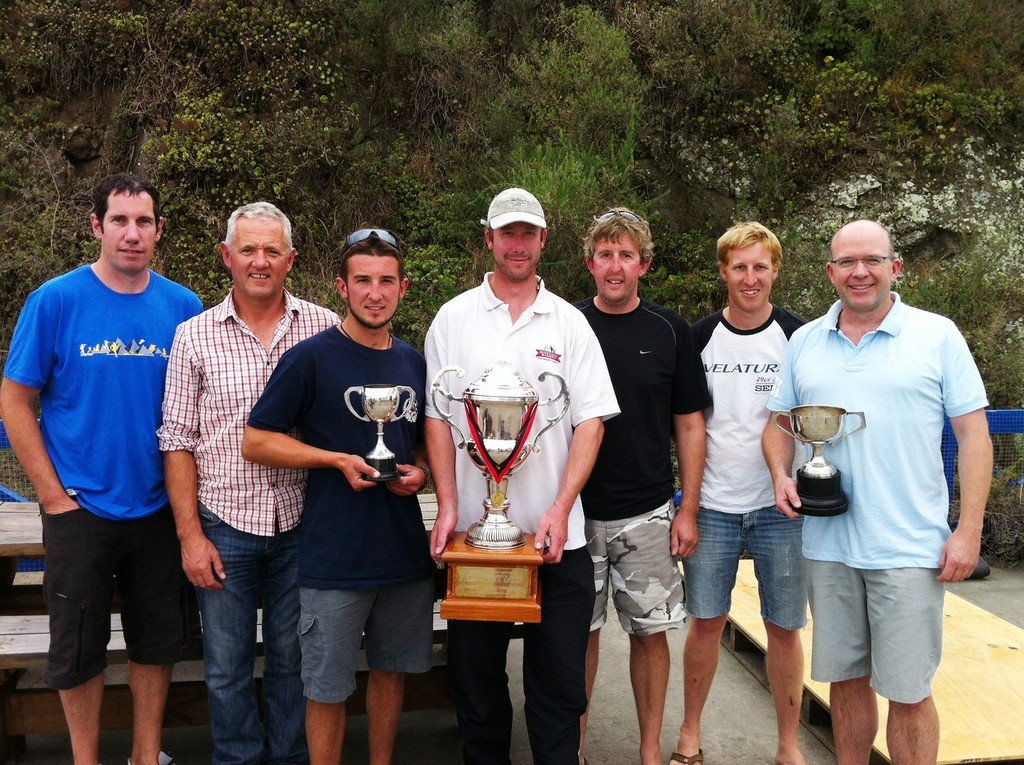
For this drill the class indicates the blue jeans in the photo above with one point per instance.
(773, 541)
(259, 570)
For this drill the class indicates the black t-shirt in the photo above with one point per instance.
(656, 371)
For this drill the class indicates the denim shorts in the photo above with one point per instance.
(398, 622)
(884, 623)
(633, 563)
(772, 540)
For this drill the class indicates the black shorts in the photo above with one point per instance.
(85, 556)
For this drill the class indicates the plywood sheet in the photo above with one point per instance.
(978, 689)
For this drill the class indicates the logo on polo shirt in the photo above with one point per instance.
(549, 354)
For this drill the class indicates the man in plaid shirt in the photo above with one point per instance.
(237, 520)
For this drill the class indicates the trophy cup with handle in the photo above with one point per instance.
(501, 409)
(817, 480)
(379, 404)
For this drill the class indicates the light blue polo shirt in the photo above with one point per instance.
(905, 375)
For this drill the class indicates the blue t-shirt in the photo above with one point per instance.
(905, 375)
(98, 358)
(349, 539)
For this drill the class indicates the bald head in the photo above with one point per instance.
(860, 231)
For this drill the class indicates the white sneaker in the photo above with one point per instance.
(163, 759)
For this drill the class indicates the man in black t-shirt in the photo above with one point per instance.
(633, 531)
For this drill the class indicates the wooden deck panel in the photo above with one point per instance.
(978, 689)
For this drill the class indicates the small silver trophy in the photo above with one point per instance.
(500, 407)
(817, 480)
(379, 404)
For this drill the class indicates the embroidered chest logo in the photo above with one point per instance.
(549, 354)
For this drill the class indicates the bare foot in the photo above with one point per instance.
(789, 756)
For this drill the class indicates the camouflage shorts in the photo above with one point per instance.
(632, 559)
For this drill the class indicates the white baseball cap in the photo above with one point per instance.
(514, 206)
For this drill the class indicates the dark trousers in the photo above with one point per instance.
(554, 671)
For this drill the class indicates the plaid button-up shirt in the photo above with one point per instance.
(216, 371)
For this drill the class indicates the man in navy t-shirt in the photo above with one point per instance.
(364, 562)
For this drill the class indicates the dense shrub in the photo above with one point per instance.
(413, 114)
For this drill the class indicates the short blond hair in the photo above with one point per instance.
(745, 234)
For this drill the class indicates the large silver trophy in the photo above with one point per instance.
(379, 404)
(501, 407)
(817, 480)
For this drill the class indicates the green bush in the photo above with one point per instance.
(987, 308)
(580, 84)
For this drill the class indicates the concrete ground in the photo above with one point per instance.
(738, 724)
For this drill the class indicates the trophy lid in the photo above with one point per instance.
(501, 381)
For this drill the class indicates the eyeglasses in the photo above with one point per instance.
(872, 261)
(363, 234)
(618, 213)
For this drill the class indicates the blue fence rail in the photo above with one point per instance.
(1000, 422)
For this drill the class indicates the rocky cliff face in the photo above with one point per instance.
(960, 234)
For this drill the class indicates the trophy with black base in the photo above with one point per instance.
(817, 480)
(379, 405)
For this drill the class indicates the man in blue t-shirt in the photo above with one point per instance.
(91, 346)
(364, 562)
(876, 573)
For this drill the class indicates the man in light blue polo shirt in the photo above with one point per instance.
(877, 572)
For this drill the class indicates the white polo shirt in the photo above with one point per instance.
(472, 331)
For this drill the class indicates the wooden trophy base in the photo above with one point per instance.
(491, 585)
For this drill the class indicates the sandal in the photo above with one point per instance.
(692, 759)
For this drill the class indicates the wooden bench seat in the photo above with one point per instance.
(28, 708)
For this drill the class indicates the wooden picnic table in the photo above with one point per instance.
(21, 530)
(21, 533)
(21, 527)
(27, 708)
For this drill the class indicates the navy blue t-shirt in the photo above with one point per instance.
(349, 539)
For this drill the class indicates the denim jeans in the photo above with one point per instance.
(773, 541)
(259, 570)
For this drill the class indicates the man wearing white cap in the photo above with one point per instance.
(512, 314)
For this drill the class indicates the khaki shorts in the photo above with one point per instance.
(884, 623)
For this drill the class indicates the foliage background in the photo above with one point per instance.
(411, 114)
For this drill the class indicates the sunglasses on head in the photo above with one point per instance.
(618, 213)
(364, 234)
